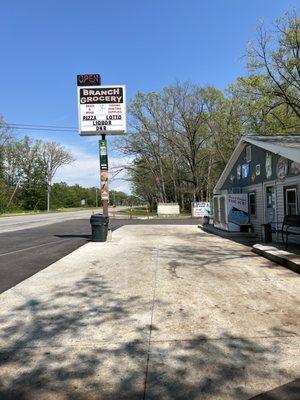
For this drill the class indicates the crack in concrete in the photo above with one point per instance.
(151, 323)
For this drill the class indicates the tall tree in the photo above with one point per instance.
(179, 136)
(6, 136)
(275, 56)
(53, 156)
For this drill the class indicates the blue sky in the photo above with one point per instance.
(143, 44)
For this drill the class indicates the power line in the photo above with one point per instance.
(50, 128)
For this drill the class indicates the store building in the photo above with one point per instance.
(260, 183)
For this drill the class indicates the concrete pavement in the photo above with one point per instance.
(160, 312)
(28, 251)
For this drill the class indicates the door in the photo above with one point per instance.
(270, 205)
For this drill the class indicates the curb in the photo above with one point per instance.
(281, 257)
(226, 234)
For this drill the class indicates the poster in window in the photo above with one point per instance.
(282, 168)
(268, 165)
(238, 172)
(237, 209)
(245, 170)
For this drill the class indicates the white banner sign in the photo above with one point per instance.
(200, 209)
(102, 110)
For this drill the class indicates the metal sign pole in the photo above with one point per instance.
(104, 174)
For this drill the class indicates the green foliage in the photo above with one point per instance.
(25, 174)
(183, 136)
(65, 196)
(34, 188)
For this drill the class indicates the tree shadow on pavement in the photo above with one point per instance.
(84, 341)
(217, 254)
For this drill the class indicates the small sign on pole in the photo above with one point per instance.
(104, 185)
(103, 155)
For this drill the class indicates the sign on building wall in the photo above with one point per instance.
(268, 165)
(257, 169)
(239, 172)
(102, 110)
(295, 168)
(201, 209)
(282, 168)
(245, 170)
(237, 211)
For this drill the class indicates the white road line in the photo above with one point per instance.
(33, 247)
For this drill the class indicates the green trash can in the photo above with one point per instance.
(99, 223)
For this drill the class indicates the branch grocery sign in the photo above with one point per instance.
(102, 110)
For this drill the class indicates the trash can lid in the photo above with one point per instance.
(99, 217)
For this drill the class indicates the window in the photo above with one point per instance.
(252, 203)
(234, 190)
(248, 153)
(291, 201)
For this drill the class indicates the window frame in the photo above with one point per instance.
(286, 190)
(253, 192)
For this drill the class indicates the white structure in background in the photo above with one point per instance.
(168, 209)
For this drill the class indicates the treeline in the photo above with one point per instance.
(65, 196)
(182, 137)
(27, 169)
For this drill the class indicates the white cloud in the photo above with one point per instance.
(85, 170)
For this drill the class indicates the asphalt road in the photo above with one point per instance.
(20, 222)
(25, 252)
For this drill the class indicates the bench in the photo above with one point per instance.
(290, 221)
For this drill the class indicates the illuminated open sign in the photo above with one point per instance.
(88, 80)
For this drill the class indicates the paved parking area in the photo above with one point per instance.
(24, 252)
(160, 312)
